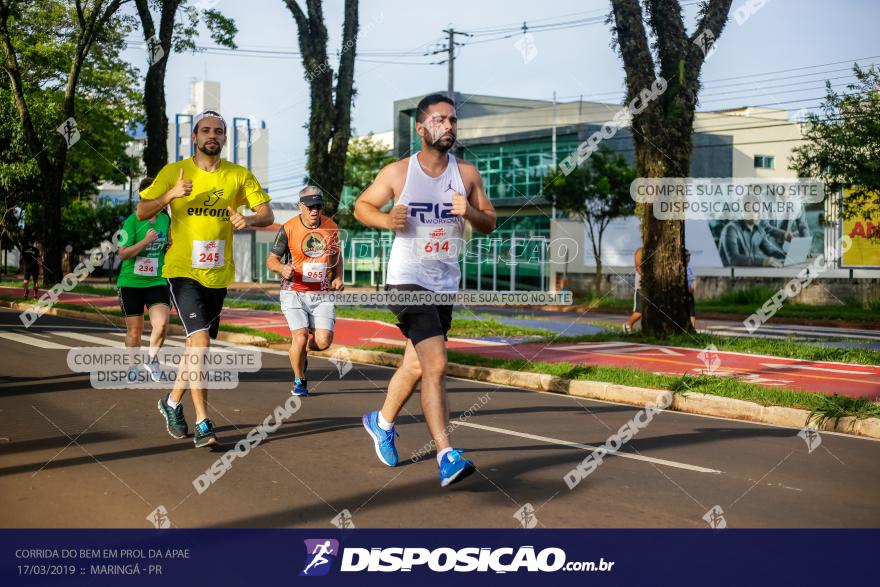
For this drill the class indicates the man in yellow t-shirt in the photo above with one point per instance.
(203, 194)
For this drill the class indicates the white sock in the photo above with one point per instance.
(171, 403)
(384, 424)
(442, 454)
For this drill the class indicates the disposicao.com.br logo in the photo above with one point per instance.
(444, 559)
(320, 554)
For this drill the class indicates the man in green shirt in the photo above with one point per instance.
(141, 285)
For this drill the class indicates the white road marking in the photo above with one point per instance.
(480, 342)
(809, 368)
(642, 349)
(92, 339)
(624, 455)
(391, 341)
(32, 341)
(589, 346)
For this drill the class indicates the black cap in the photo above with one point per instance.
(312, 199)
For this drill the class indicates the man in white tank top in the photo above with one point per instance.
(433, 194)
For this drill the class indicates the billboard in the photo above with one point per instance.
(770, 243)
(865, 234)
(725, 243)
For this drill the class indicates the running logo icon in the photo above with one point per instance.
(319, 556)
(212, 198)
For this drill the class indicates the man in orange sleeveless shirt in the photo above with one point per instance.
(306, 254)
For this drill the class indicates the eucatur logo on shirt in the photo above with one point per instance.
(208, 209)
(314, 245)
(213, 197)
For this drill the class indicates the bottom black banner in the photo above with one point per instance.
(606, 557)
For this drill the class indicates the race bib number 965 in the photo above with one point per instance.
(314, 272)
(208, 254)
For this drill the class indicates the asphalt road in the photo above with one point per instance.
(74, 456)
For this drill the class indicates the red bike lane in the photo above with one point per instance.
(813, 376)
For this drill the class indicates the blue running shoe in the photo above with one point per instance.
(383, 439)
(300, 388)
(204, 434)
(454, 468)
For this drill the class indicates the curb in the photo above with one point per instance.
(176, 329)
(691, 403)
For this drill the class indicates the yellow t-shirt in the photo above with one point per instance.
(200, 227)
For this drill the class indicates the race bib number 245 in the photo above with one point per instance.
(208, 254)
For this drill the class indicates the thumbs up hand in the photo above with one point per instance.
(238, 221)
(182, 188)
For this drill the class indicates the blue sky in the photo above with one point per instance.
(785, 36)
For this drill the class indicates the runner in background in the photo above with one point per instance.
(142, 248)
(306, 254)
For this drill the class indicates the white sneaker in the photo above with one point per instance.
(154, 370)
(626, 328)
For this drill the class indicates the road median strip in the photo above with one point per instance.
(174, 329)
(688, 402)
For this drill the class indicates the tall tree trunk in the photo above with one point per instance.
(51, 229)
(330, 108)
(156, 148)
(597, 278)
(89, 25)
(662, 136)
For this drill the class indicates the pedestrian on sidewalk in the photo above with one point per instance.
(692, 282)
(30, 261)
(637, 295)
(307, 255)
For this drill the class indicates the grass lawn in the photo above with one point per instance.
(269, 336)
(746, 301)
(102, 290)
(721, 386)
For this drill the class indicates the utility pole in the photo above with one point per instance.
(553, 146)
(449, 49)
(450, 44)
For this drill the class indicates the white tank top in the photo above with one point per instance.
(426, 251)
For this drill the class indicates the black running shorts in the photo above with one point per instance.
(133, 300)
(419, 323)
(198, 307)
(31, 272)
